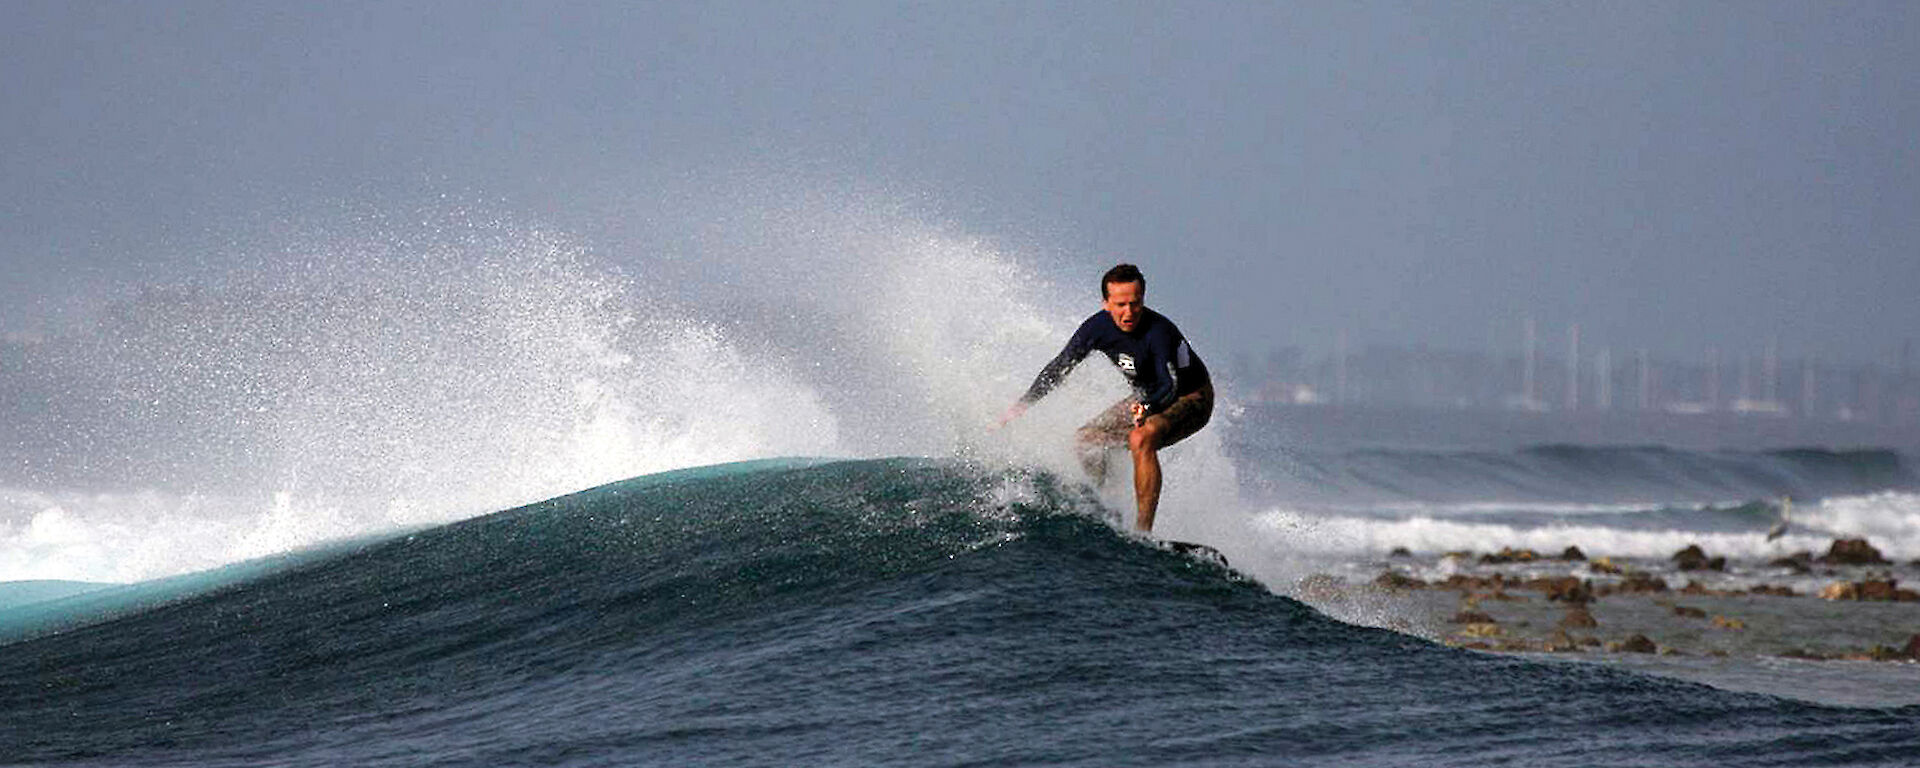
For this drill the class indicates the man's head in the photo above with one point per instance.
(1124, 291)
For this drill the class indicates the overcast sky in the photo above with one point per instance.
(1668, 174)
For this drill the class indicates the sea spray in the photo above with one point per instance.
(382, 370)
(369, 380)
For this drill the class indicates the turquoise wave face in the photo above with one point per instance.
(904, 611)
(34, 608)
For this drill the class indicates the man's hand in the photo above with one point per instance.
(1013, 412)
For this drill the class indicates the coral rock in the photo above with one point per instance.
(1853, 552)
(1578, 617)
(1634, 644)
(1840, 590)
(1510, 555)
(1393, 580)
(1694, 559)
(1567, 589)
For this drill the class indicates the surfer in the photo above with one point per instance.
(1172, 393)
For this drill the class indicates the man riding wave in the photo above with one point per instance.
(1172, 393)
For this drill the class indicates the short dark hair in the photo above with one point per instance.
(1121, 273)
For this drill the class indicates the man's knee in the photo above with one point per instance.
(1145, 437)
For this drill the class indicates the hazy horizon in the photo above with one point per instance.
(1676, 177)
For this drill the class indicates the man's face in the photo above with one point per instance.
(1124, 304)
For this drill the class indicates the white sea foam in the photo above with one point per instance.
(126, 537)
(1457, 509)
(1890, 521)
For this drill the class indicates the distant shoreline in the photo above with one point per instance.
(1371, 426)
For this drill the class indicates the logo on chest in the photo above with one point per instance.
(1125, 361)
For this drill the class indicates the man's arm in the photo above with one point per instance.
(1056, 369)
(1050, 376)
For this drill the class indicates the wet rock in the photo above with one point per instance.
(1698, 588)
(1482, 630)
(1396, 580)
(1573, 554)
(1603, 565)
(1689, 612)
(1887, 590)
(1566, 589)
(1510, 555)
(1496, 584)
(1633, 644)
(1560, 642)
(1913, 647)
(1888, 653)
(1722, 622)
(1463, 582)
(1635, 583)
(1400, 552)
(1472, 617)
(1695, 559)
(1878, 590)
(1853, 552)
(1578, 617)
(1774, 590)
(1799, 562)
(1874, 653)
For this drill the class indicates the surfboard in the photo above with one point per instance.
(1201, 551)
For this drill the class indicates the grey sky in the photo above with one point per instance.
(1671, 175)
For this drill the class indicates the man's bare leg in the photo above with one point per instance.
(1144, 442)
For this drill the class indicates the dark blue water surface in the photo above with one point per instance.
(885, 612)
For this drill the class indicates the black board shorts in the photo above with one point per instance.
(1186, 416)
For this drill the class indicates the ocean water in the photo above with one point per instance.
(900, 611)
(467, 496)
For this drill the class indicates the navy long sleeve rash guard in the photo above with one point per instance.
(1155, 358)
